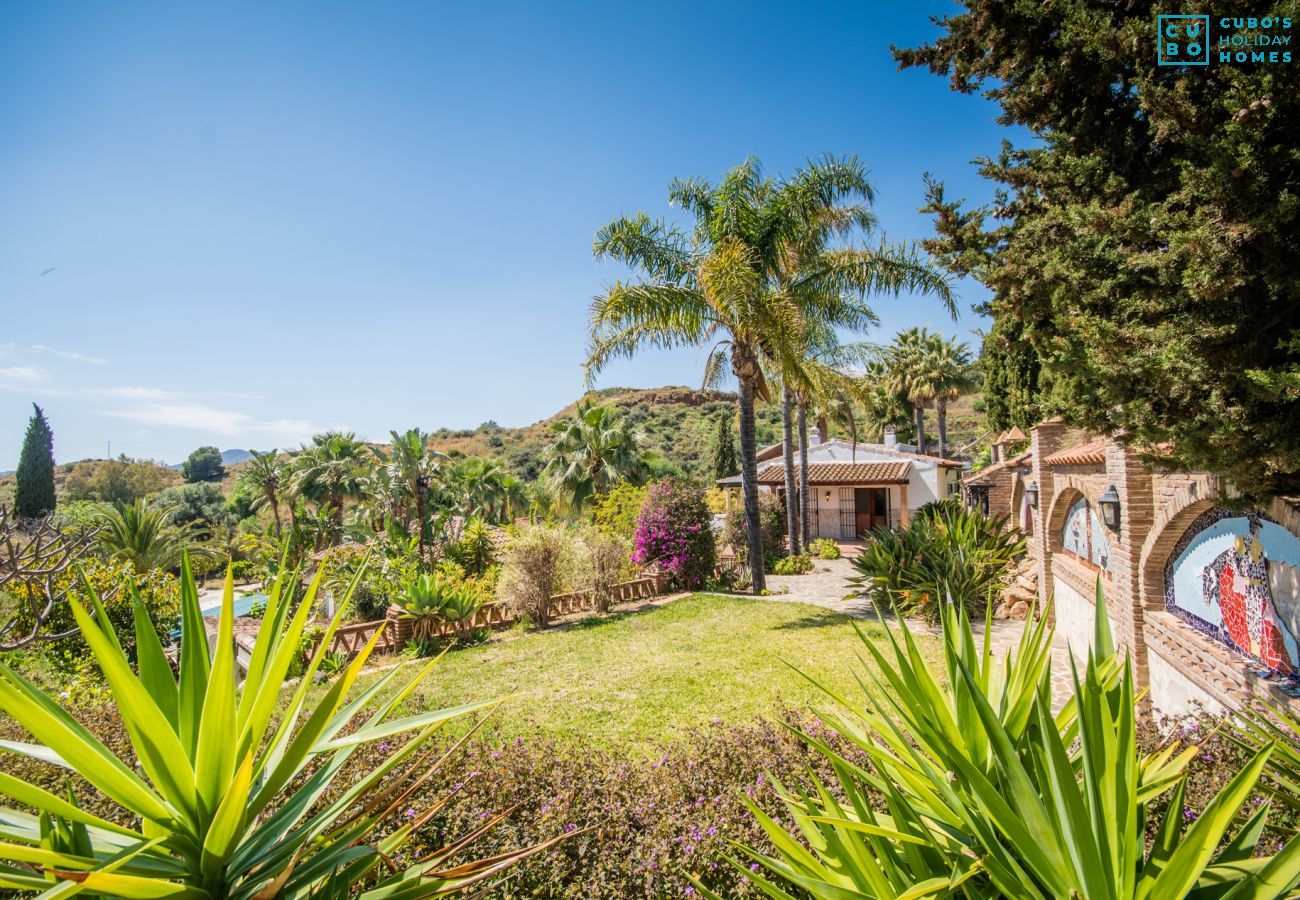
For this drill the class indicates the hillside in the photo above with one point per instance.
(679, 424)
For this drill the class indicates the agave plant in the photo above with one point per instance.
(430, 601)
(459, 606)
(234, 792)
(946, 551)
(978, 789)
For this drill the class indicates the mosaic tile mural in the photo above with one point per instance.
(1084, 535)
(1236, 577)
(1074, 536)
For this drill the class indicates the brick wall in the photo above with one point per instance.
(1156, 509)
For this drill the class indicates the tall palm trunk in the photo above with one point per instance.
(805, 497)
(787, 435)
(941, 412)
(823, 427)
(749, 484)
(920, 427)
(274, 501)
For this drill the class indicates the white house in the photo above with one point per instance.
(857, 487)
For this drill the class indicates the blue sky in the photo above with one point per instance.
(265, 219)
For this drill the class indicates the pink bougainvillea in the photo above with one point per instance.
(674, 532)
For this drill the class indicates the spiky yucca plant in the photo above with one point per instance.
(976, 788)
(234, 791)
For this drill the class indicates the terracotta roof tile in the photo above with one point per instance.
(843, 473)
(1085, 454)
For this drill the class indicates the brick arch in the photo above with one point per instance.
(1054, 521)
(1018, 482)
(1169, 526)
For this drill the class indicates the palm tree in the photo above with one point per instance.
(910, 375)
(950, 363)
(825, 381)
(514, 495)
(717, 287)
(479, 488)
(881, 404)
(814, 273)
(410, 471)
(331, 471)
(143, 536)
(262, 478)
(593, 450)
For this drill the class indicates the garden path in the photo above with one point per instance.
(827, 584)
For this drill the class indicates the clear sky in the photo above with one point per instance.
(235, 223)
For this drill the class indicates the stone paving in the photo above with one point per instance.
(827, 585)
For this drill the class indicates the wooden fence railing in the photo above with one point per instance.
(349, 639)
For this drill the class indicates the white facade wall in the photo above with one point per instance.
(1175, 695)
(1074, 618)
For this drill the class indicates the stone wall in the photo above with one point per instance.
(1211, 650)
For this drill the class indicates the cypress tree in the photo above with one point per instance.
(724, 450)
(1140, 246)
(34, 496)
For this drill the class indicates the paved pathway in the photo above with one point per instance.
(827, 586)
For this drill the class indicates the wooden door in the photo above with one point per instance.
(862, 511)
(871, 508)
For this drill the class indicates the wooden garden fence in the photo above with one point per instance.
(349, 639)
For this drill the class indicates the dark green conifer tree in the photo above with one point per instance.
(725, 462)
(1140, 247)
(34, 496)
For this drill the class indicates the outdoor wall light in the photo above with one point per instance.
(1031, 495)
(1109, 503)
(828, 496)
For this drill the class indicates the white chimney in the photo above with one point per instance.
(891, 436)
(814, 436)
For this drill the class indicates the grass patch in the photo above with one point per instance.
(636, 679)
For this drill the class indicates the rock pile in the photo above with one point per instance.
(1021, 593)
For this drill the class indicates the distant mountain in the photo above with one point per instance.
(228, 458)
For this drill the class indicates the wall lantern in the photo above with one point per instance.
(1109, 503)
(1031, 495)
(828, 496)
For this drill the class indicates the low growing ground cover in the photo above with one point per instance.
(635, 679)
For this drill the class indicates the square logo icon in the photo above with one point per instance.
(1183, 40)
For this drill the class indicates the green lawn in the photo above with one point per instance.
(632, 679)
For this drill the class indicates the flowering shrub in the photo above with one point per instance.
(654, 819)
(674, 532)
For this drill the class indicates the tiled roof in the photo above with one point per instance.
(1090, 453)
(984, 474)
(843, 473)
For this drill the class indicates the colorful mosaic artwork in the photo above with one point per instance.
(1074, 537)
(1236, 577)
(1085, 536)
